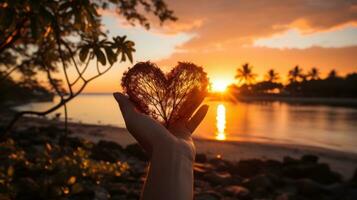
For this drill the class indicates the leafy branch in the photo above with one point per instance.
(53, 37)
(90, 51)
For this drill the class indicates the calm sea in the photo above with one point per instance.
(275, 122)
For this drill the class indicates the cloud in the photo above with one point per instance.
(243, 21)
(228, 28)
(293, 38)
(220, 35)
(145, 41)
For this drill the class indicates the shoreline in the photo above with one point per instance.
(343, 162)
(306, 100)
(332, 101)
(328, 101)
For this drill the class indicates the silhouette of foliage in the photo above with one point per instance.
(48, 36)
(313, 74)
(266, 87)
(34, 164)
(245, 74)
(299, 85)
(165, 97)
(17, 92)
(296, 74)
(332, 74)
(272, 76)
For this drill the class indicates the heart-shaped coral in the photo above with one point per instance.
(165, 97)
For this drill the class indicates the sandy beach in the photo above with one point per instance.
(102, 159)
(342, 162)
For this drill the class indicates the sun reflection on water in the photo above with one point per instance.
(221, 122)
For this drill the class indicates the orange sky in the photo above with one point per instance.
(222, 35)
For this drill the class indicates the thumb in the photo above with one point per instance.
(126, 107)
(197, 118)
(131, 118)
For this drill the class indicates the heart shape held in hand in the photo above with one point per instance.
(166, 97)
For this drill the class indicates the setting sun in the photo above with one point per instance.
(219, 86)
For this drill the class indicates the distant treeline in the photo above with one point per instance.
(300, 84)
(21, 91)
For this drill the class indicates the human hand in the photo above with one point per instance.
(154, 137)
(171, 149)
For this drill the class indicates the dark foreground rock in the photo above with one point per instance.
(42, 164)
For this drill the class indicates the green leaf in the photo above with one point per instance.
(123, 58)
(130, 44)
(130, 56)
(112, 57)
(100, 56)
(83, 53)
(123, 38)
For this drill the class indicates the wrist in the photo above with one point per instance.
(175, 150)
(171, 170)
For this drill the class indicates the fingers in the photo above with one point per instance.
(126, 107)
(196, 119)
(189, 107)
(131, 118)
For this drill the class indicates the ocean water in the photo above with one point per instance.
(273, 122)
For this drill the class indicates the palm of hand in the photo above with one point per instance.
(153, 136)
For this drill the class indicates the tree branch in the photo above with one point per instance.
(63, 63)
(73, 60)
(82, 72)
(13, 37)
(63, 102)
(8, 73)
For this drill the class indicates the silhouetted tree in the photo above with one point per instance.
(295, 74)
(272, 76)
(245, 74)
(351, 85)
(266, 87)
(18, 91)
(47, 36)
(332, 74)
(332, 86)
(313, 74)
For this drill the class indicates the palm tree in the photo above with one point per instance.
(245, 74)
(332, 74)
(272, 76)
(314, 74)
(295, 74)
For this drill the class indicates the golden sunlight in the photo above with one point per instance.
(221, 122)
(219, 85)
